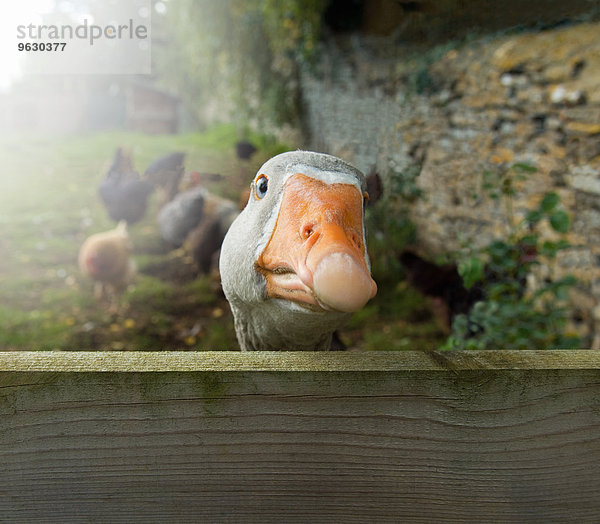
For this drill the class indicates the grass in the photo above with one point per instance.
(49, 205)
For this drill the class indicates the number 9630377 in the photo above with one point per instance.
(41, 46)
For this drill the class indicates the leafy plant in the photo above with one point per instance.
(513, 316)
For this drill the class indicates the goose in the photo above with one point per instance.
(294, 263)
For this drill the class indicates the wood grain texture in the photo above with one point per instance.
(232, 437)
(156, 361)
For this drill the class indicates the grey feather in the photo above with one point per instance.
(182, 214)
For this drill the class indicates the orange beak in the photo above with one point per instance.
(316, 254)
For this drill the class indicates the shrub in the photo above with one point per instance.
(513, 316)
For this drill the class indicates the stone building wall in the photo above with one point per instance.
(532, 98)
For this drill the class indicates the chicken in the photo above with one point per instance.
(106, 258)
(198, 221)
(244, 149)
(193, 179)
(374, 187)
(166, 172)
(123, 192)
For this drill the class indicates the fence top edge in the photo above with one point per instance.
(286, 361)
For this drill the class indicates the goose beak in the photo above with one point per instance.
(316, 255)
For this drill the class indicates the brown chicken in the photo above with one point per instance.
(106, 258)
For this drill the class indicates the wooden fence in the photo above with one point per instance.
(311, 437)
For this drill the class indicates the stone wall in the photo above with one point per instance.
(532, 98)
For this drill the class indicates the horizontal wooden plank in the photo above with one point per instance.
(148, 361)
(287, 437)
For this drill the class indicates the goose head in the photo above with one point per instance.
(294, 263)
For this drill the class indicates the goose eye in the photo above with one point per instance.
(261, 185)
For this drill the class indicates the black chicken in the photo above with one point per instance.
(166, 172)
(123, 192)
(244, 149)
(374, 187)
